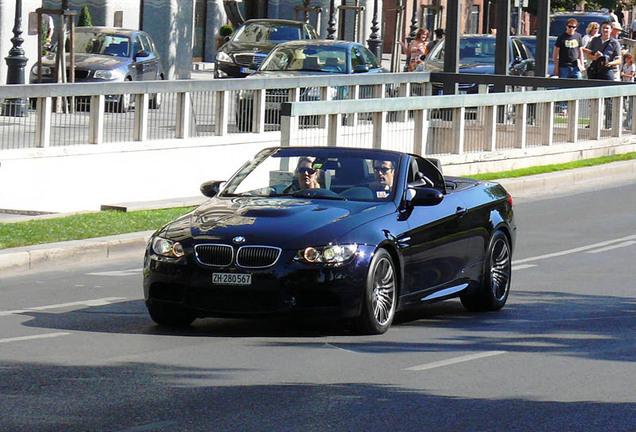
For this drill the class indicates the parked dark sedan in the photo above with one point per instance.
(303, 58)
(104, 54)
(347, 233)
(251, 43)
(477, 56)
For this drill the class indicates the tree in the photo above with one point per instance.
(84, 19)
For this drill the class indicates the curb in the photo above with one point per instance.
(48, 256)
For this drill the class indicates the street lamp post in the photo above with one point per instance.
(374, 41)
(16, 62)
(331, 29)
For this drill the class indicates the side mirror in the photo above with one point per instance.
(142, 54)
(361, 68)
(211, 188)
(423, 196)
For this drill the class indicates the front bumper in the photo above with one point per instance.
(287, 287)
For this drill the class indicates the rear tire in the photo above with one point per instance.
(380, 295)
(169, 315)
(493, 292)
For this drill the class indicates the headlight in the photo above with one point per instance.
(167, 248)
(46, 70)
(108, 74)
(223, 57)
(331, 254)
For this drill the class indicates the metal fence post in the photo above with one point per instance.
(96, 119)
(573, 121)
(141, 117)
(521, 125)
(459, 123)
(44, 106)
(596, 116)
(546, 123)
(222, 108)
(183, 115)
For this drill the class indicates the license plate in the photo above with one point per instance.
(231, 279)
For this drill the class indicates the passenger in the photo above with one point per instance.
(306, 176)
(383, 172)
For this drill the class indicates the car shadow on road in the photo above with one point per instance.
(590, 326)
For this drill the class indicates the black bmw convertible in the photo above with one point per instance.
(357, 234)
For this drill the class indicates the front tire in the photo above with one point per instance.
(380, 295)
(495, 287)
(169, 315)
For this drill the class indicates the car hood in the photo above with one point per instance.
(91, 61)
(477, 68)
(286, 222)
(232, 47)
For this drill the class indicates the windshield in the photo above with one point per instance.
(307, 58)
(477, 50)
(102, 43)
(266, 32)
(335, 174)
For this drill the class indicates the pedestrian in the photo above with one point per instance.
(591, 31)
(633, 29)
(613, 16)
(616, 34)
(439, 35)
(604, 53)
(568, 52)
(416, 50)
(629, 68)
(627, 75)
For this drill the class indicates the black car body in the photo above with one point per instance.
(477, 56)
(105, 54)
(305, 58)
(353, 248)
(251, 43)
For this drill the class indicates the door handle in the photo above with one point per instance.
(461, 211)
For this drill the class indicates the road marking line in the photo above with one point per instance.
(149, 427)
(605, 249)
(575, 250)
(118, 273)
(34, 337)
(523, 266)
(90, 303)
(455, 360)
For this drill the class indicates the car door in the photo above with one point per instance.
(437, 243)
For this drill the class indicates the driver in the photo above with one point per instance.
(306, 175)
(383, 172)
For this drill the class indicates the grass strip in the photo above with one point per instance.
(544, 169)
(84, 225)
(105, 223)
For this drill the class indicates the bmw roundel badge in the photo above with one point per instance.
(239, 240)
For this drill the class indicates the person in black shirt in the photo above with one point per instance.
(568, 52)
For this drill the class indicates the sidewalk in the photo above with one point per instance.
(49, 256)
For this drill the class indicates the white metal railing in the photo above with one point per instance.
(93, 113)
(458, 124)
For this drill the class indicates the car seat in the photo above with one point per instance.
(333, 63)
(311, 63)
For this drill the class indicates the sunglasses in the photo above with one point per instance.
(383, 170)
(572, 26)
(305, 170)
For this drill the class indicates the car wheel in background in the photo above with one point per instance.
(156, 99)
(380, 296)
(493, 292)
(169, 315)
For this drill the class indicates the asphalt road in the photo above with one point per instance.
(78, 351)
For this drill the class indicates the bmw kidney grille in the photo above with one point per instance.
(247, 256)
